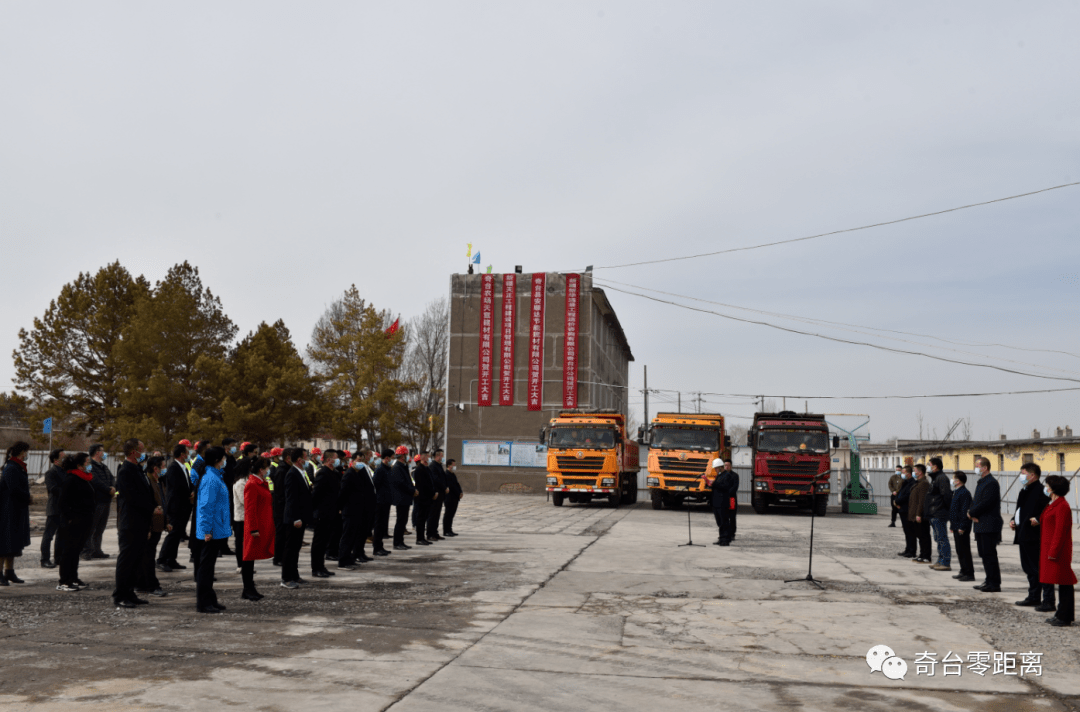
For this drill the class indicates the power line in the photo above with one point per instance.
(936, 395)
(847, 341)
(838, 232)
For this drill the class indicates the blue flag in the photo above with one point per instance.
(47, 429)
(476, 259)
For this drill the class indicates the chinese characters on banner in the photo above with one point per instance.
(506, 373)
(570, 343)
(487, 333)
(536, 343)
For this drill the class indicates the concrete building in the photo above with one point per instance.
(1058, 451)
(518, 359)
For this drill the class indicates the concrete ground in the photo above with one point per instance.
(541, 608)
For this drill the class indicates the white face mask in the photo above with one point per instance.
(1047, 491)
(955, 485)
(904, 475)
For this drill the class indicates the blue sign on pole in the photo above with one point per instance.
(48, 427)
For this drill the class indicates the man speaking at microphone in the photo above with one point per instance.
(725, 487)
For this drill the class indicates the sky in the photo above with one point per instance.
(291, 149)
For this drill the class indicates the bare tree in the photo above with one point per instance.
(965, 429)
(737, 434)
(919, 418)
(426, 364)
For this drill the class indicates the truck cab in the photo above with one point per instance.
(590, 457)
(791, 461)
(682, 447)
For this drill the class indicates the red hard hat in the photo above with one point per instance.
(401, 450)
(346, 453)
(416, 459)
(316, 451)
(276, 452)
(244, 445)
(185, 442)
(266, 455)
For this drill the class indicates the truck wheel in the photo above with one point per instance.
(634, 494)
(821, 505)
(613, 500)
(557, 498)
(657, 499)
(759, 504)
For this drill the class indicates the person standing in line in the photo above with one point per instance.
(147, 580)
(404, 492)
(228, 475)
(917, 514)
(258, 525)
(384, 502)
(938, 501)
(442, 489)
(105, 477)
(54, 481)
(78, 499)
(425, 486)
(985, 512)
(961, 526)
(894, 486)
(339, 459)
(453, 497)
(297, 515)
(325, 512)
(357, 511)
(241, 470)
(135, 510)
(277, 488)
(1055, 568)
(195, 472)
(212, 518)
(903, 505)
(179, 499)
(1030, 503)
(15, 501)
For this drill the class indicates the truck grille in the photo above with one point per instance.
(801, 486)
(585, 463)
(780, 467)
(590, 481)
(681, 481)
(694, 466)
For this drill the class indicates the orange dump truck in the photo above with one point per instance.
(682, 447)
(590, 457)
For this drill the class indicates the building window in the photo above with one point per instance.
(956, 463)
(1061, 462)
(1028, 458)
(1001, 463)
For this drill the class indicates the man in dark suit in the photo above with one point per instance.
(179, 496)
(357, 511)
(903, 501)
(297, 515)
(442, 488)
(105, 480)
(54, 480)
(453, 496)
(135, 510)
(425, 498)
(1030, 503)
(404, 491)
(277, 489)
(325, 497)
(384, 501)
(228, 475)
(985, 512)
(725, 486)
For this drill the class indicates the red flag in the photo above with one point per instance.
(393, 328)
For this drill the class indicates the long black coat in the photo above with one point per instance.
(54, 481)
(939, 498)
(384, 490)
(135, 501)
(297, 498)
(425, 483)
(903, 496)
(178, 491)
(357, 493)
(453, 484)
(986, 506)
(78, 498)
(1030, 501)
(401, 485)
(325, 494)
(14, 509)
(438, 478)
(103, 476)
(724, 487)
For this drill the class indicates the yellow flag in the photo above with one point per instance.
(469, 253)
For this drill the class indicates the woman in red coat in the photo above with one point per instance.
(1056, 549)
(258, 525)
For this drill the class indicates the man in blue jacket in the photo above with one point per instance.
(961, 526)
(985, 513)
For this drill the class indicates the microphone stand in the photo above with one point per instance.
(810, 565)
(689, 534)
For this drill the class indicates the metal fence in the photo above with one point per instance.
(37, 462)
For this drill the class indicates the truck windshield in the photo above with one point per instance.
(685, 439)
(792, 441)
(585, 437)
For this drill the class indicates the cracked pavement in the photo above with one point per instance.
(535, 607)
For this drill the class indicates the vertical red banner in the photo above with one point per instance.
(506, 372)
(536, 343)
(487, 338)
(570, 341)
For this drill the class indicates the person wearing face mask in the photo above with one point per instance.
(917, 514)
(195, 472)
(326, 515)
(147, 580)
(384, 501)
(213, 524)
(357, 511)
(425, 498)
(938, 500)
(961, 526)
(258, 525)
(179, 499)
(903, 502)
(135, 510)
(296, 516)
(339, 459)
(985, 513)
(228, 474)
(1030, 503)
(1055, 566)
(442, 489)
(104, 477)
(404, 492)
(240, 477)
(452, 498)
(894, 486)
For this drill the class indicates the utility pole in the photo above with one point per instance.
(646, 368)
(680, 402)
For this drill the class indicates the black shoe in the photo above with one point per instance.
(1058, 623)
(81, 584)
(991, 589)
(346, 567)
(125, 604)
(320, 574)
(84, 557)
(251, 596)
(401, 547)
(164, 568)
(892, 526)
(1027, 602)
(208, 609)
(175, 566)
(4, 581)
(48, 564)
(100, 555)
(275, 562)
(449, 534)
(10, 576)
(423, 542)
(383, 552)
(219, 606)
(965, 577)
(1046, 608)
(139, 601)
(159, 592)
(290, 584)
(434, 537)
(332, 557)
(906, 554)
(364, 559)
(300, 580)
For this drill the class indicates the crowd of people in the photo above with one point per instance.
(205, 494)
(930, 503)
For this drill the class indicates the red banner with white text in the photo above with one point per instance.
(570, 341)
(506, 372)
(487, 338)
(536, 343)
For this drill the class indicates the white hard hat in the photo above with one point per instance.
(717, 464)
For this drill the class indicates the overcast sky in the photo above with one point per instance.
(290, 149)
